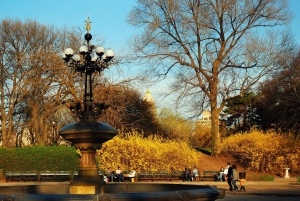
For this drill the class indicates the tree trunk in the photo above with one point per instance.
(215, 135)
(215, 132)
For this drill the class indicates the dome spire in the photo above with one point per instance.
(148, 96)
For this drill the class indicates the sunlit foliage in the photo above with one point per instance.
(174, 126)
(202, 136)
(145, 154)
(260, 151)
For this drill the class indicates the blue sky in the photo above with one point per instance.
(108, 18)
(295, 24)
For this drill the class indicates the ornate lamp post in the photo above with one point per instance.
(53, 131)
(88, 134)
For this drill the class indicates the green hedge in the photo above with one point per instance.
(38, 158)
(260, 177)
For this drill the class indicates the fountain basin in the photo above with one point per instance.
(114, 192)
(88, 134)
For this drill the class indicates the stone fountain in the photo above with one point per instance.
(88, 134)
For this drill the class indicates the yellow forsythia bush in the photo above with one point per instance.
(259, 151)
(145, 154)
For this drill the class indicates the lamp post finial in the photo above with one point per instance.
(88, 24)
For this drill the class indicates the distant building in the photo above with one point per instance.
(206, 118)
(148, 97)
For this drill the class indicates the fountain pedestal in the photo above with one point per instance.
(88, 137)
(286, 173)
(88, 181)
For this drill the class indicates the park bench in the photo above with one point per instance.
(21, 176)
(55, 176)
(13, 176)
(40, 176)
(176, 175)
(210, 174)
(144, 176)
(157, 175)
(127, 176)
(161, 175)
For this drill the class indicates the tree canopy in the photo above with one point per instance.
(215, 50)
(127, 110)
(30, 71)
(278, 103)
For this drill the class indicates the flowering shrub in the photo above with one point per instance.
(145, 154)
(78, 152)
(260, 151)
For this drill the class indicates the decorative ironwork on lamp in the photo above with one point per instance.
(91, 59)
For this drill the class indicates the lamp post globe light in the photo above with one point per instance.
(88, 135)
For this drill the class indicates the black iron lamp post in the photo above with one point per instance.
(88, 135)
(86, 64)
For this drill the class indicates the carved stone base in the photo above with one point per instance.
(87, 190)
(87, 185)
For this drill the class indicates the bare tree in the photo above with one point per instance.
(215, 49)
(33, 79)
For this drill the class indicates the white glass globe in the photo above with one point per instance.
(76, 57)
(110, 53)
(99, 50)
(83, 49)
(69, 52)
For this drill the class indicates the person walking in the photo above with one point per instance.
(242, 184)
(226, 172)
(229, 176)
(235, 177)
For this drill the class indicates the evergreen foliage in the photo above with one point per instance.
(240, 113)
(39, 158)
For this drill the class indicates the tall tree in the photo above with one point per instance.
(240, 113)
(279, 105)
(33, 82)
(127, 109)
(216, 49)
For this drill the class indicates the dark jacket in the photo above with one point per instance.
(230, 173)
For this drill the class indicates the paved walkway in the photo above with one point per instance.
(277, 190)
